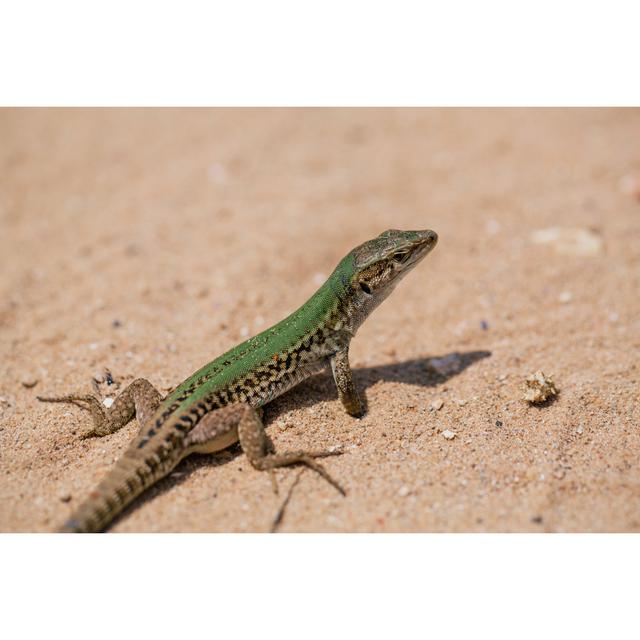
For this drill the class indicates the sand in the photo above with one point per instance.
(148, 242)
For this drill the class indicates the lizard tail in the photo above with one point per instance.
(124, 483)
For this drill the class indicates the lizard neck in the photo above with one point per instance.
(353, 305)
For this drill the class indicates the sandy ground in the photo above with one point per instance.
(150, 241)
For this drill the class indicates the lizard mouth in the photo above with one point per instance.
(428, 237)
(427, 240)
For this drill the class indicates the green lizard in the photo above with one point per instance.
(220, 404)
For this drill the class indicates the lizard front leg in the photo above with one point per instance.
(140, 398)
(343, 378)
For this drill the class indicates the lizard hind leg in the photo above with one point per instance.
(219, 429)
(140, 398)
(254, 443)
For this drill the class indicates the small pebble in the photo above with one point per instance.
(630, 185)
(498, 423)
(565, 296)
(484, 325)
(437, 404)
(539, 388)
(580, 430)
(492, 227)
(448, 435)
(29, 383)
(334, 521)
(217, 173)
(536, 519)
(403, 491)
(65, 497)
(461, 403)
(107, 402)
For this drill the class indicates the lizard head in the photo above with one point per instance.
(381, 263)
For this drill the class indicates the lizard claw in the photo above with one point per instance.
(86, 403)
(78, 401)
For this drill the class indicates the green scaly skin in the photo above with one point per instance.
(216, 406)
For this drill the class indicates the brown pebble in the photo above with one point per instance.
(29, 383)
(65, 497)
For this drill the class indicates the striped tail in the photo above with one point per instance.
(131, 475)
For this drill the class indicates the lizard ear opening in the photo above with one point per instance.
(365, 287)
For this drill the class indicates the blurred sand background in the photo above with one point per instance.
(148, 242)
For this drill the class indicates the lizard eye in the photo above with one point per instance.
(365, 287)
(401, 256)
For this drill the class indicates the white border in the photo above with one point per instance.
(319, 586)
(286, 52)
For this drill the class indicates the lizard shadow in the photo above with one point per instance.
(319, 388)
(417, 371)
